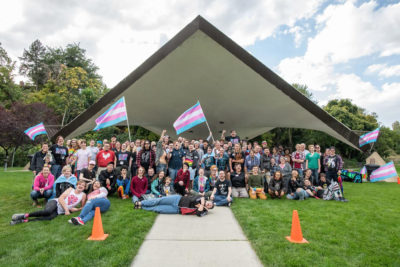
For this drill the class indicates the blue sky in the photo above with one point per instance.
(339, 49)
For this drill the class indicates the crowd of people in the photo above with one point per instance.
(166, 176)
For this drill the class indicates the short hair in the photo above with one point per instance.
(111, 162)
(65, 168)
(81, 182)
(124, 167)
(322, 175)
(58, 138)
(44, 143)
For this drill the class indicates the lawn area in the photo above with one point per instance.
(58, 243)
(362, 232)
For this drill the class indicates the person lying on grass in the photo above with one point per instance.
(173, 204)
(65, 204)
(275, 187)
(98, 198)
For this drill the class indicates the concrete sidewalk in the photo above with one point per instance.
(186, 240)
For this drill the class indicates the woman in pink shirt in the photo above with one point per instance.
(42, 186)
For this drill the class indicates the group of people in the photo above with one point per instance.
(167, 175)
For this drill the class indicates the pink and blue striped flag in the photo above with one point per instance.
(113, 115)
(386, 171)
(35, 131)
(190, 118)
(369, 137)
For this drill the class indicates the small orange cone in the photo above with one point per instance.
(97, 230)
(398, 180)
(296, 235)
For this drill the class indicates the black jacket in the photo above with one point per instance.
(104, 175)
(275, 185)
(293, 185)
(38, 161)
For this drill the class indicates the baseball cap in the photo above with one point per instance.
(92, 162)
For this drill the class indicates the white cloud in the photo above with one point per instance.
(119, 35)
(384, 70)
(345, 32)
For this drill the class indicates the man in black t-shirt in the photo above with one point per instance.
(88, 175)
(222, 193)
(122, 158)
(60, 155)
(233, 138)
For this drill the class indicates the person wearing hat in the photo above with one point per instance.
(88, 175)
(108, 178)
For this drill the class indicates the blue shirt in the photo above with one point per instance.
(175, 161)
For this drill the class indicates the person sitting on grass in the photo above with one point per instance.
(182, 180)
(239, 181)
(139, 186)
(123, 183)
(275, 187)
(65, 204)
(322, 185)
(295, 187)
(65, 181)
(256, 184)
(172, 204)
(167, 188)
(42, 186)
(309, 189)
(308, 175)
(150, 177)
(88, 175)
(98, 198)
(201, 185)
(157, 184)
(108, 178)
(222, 193)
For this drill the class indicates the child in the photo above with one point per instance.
(167, 189)
(275, 187)
(123, 183)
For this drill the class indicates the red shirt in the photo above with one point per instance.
(183, 176)
(105, 157)
(138, 186)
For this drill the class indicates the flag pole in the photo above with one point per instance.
(208, 126)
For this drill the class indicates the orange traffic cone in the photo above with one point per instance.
(296, 235)
(97, 230)
(398, 180)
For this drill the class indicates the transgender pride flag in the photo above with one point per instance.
(35, 131)
(386, 171)
(369, 137)
(190, 118)
(113, 115)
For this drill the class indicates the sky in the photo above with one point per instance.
(339, 49)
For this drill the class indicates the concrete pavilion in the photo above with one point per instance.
(236, 91)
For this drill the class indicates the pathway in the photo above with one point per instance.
(186, 240)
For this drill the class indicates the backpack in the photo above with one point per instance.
(333, 192)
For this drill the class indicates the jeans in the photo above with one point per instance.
(164, 205)
(332, 176)
(46, 194)
(172, 174)
(125, 183)
(89, 209)
(314, 176)
(221, 200)
(302, 194)
(161, 167)
(48, 213)
(56, 171)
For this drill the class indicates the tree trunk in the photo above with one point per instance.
(65, 113)
(290, 137)
(12, 158)
(5, 159)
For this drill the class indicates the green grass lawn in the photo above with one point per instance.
(58, 243)
(362, 232)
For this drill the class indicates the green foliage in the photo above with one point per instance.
(9, 91)
(363, 232)
(302, 88)
(58, 243)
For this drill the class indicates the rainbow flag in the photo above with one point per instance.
(363, 172)
(189, 162)
(369, 137)
(386, 171)
(35, 131)
(113, 115)
(190, 118)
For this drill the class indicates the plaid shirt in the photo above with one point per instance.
(152, 158)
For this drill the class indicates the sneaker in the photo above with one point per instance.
(14, 222)
(18, 216)
(70, 221)
(77, 221)
(344, 200)
(229, 204)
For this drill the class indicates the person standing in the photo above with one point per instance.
(193, 160)
(60, 155)
(286, 171)
(298, 159)
(38, 159)
(122, 158)
(237, 156)
(233, 138)
(83, 156)
(93, 150)
(176, 157)
(146, 157)
(334, 165)
(161, 153)
(313, 163)
(104, 157)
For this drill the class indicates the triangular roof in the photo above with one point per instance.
(236, 91)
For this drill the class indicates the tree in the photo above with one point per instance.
(33, 65)
(9, 91)
(396, 126)
(17, 119)
(302, 88)
(70, 93)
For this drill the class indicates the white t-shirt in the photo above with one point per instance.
(72, 200)
(93, 152)
(82, 158)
